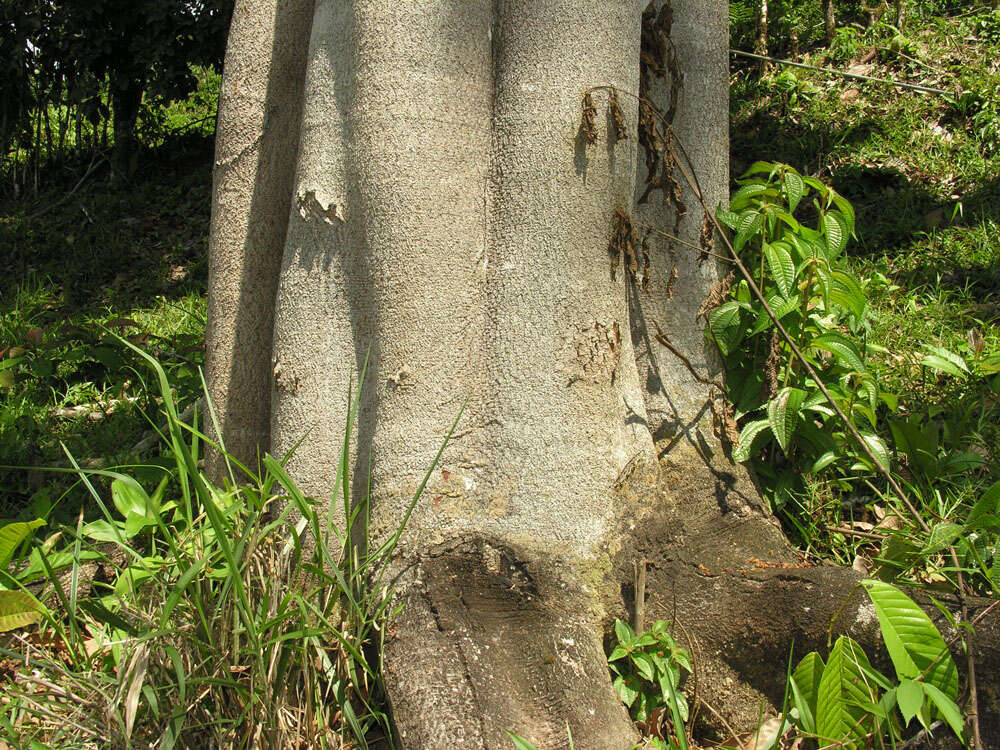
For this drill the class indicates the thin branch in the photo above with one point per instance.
(845, 74)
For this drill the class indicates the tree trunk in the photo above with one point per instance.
(260, 106)
(448, 220)
(126, 98)
(829, 21)
(900, 14)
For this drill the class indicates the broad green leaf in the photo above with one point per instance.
(946, 707)
(11, 537)
(946, 361)
(130, 498)
(758, 167)
(845, 695)
(943, 534)
(845, 208)
(727, 217)
(780, 307)
(751, 430)
(100, 531)
(779, 260)
(914, 644)
(823, 461)
(805, 689)
(644, 665)
(842, 348)
(18, 609)
(627, 690)
(726, 326)
(742, 197)
(845, 292)
(795, 188)
(817, 185)
(877, 446)
(749, 224)
(835, 230)
(623, 632)
(783, 414)
(909, 698)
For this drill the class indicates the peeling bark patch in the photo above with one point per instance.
(310, 207)
(284, 381)
(624, 246)
(400, 380)
(596, 350)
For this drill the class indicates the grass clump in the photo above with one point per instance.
(197, 615)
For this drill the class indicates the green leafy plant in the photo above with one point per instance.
(823, 308)
(646, 673)
(18, 607)
(846, 702)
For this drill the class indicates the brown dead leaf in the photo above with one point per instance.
(33, 337)
(850, 95)
(862, 564)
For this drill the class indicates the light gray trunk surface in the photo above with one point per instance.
(407, 184)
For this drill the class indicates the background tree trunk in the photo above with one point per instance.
(760, 46)
(126, 98)
(829, 21)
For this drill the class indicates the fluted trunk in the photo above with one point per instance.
(448, 219)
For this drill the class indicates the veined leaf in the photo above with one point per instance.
(726, 325)
(944, 360)
(845, 208)
(795, 188)
(878, 447)
(780, 307)
(18, 609)
(805, 689)
(11, 536)
(779, 260)
(750, 431)
(727, 217)
(742, 197)
(750, 222)
(783, 414)
(842, 348)
(759, 166)
(846, 292)
(914, 644)
(818, 185)
(845, 695)
(943, 534)
(835, 230)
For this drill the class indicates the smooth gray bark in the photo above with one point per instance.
(412, 188)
